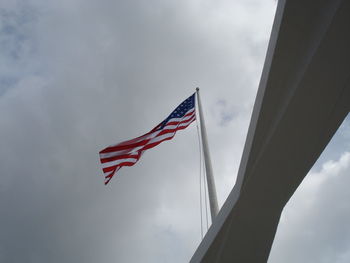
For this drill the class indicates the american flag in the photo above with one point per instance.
(127, 153)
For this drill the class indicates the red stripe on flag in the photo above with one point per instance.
(118, 157)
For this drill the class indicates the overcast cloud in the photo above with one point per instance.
(76, 76)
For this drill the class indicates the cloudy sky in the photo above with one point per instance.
(79, 75)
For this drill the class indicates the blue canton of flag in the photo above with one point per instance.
(180, 111)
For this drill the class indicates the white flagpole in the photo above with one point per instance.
(213, 201)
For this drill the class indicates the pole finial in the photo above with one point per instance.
(197, 89)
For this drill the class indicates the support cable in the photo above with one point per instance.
(205, 196)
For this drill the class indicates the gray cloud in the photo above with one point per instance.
(77, 76)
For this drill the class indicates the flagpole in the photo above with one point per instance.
(213, 201)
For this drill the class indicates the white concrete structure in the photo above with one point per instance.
(303, 97)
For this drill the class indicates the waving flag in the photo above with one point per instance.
(129, 152)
